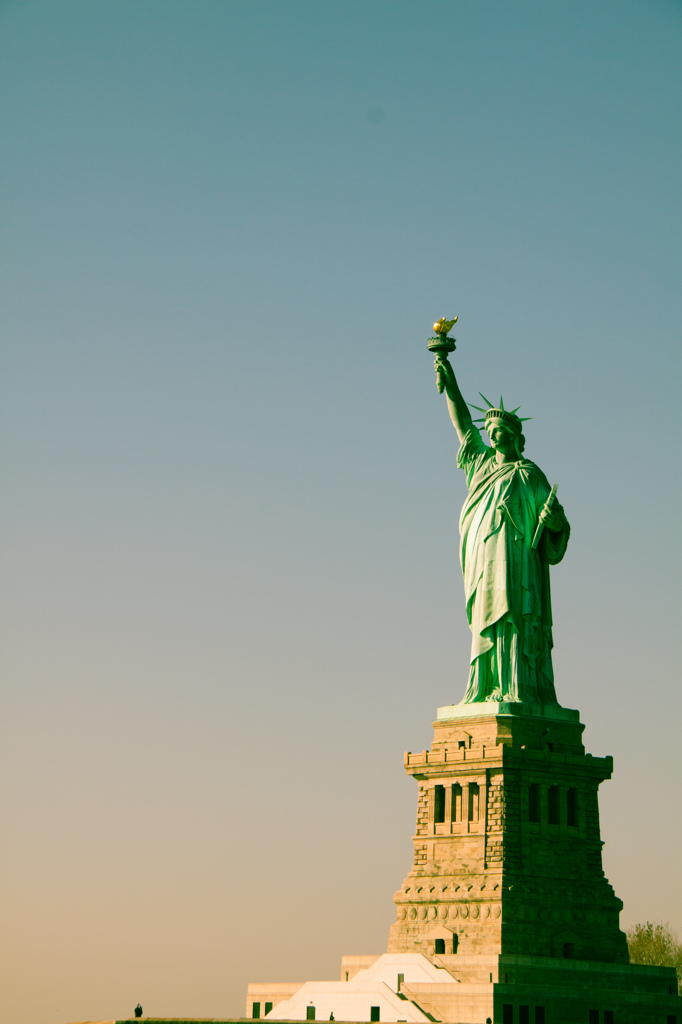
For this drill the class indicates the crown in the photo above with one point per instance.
(506, 416)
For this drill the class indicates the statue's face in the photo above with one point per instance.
(501, 438)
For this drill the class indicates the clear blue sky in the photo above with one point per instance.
(231, 597)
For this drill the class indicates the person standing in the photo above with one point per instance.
(506, 576)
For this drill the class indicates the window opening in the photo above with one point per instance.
(473, 801)
(534, 802)
(401, 979)
(608, 1016)
(553, 805)
(572, 808)
(539, 1015)
(524, 1014)
(457, 802)
(439, 804)
(268, 1007)
(507, 1013)
(455, 943)
(440, 946)
(374, 1012)
(568, 950)
(255, 1011)
(594, 1016)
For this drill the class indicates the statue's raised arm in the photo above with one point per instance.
(457, 407)
(505, 557)
(441, 345)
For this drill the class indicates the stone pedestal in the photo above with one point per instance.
(507, 892)
(507, 845)
(506, 915)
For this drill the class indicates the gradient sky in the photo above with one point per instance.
(231, 595)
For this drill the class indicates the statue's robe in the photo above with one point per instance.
(506, 582)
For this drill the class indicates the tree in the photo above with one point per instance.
(656, 944)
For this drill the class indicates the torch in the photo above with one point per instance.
(442, 345)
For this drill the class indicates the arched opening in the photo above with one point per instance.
(473, 801)
(457, 802)
(439, 805)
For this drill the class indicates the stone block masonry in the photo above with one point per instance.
(507, 844)
(506, 914)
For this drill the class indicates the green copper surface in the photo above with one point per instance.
(495, 707)
(512, 529)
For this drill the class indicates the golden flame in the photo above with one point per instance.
(443, 325)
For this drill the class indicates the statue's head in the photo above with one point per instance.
(505, 431)
(504, 427)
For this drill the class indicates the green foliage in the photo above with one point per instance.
(655, 944)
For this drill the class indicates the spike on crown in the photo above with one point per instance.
(505, 416)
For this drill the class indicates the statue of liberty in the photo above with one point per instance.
(511, 531)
